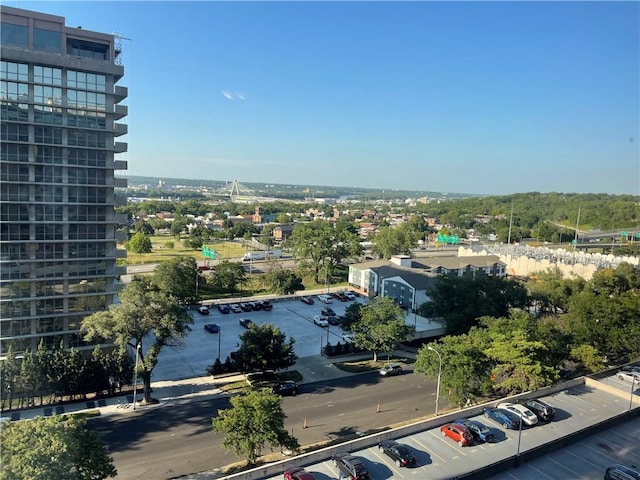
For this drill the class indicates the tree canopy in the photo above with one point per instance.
(391, 241)
(57, 447)
(320, 246)
(264, 347)
(380, 327)
(143, 314)
(139, 243)
(252, 421)
(178, 277)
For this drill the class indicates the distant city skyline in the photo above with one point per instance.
(466, 97)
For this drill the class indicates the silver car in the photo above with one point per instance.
(527, 416)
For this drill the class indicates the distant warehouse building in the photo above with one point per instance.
(60, 107)
(406, 280)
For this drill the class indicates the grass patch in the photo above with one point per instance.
(243, 387)
(368, 365)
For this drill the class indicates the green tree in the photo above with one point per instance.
(144, 227)
(57, 447)
(178, 226)
(264, 347)
(466, 370)
(381, 326)
(393, 241)
(144, 313)
(320, 247)
(139, 243)
(252, 421)
(589, 357)
(227, 276)
(178, 277)
(550, 292)
(283, 281)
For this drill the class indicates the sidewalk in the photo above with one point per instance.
(315, 368)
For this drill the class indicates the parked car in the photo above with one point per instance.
(350, 296)
(320, 320)
(631, 368)
(333, 320)
(620, 472)
(325, 298)
(307, 300)
(235, 308)
(287, 387)
(261, 379)
(480, 432)
(523, 412)
(223, 309)
(327, 312)
(457, 432)
(255, 305)
(212, 328)
(351, 466)
(348, 337)
(246, 323)
(266, 305)
(503, 417)
(297, 473)
(399, 453)
(628, 376)
(542, 410)
(203, 310)
(390, 369)
(341, 296)
(245, 307)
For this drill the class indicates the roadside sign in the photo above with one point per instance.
(208, 252)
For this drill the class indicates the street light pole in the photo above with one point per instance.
(519, 437)
(439, 376)
(219, 335)
(135, 375)
(633, 384)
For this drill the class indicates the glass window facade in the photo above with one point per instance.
(17, 35)
(47, 40)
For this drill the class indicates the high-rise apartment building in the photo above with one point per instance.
(60, 108)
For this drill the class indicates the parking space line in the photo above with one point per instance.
(539, 471)
(447, 441)
(426, 449)
(384, 459)
(583, 459)
(561, 465)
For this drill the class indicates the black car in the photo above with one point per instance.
(266, 305)
(399, 453)
(288, 387)
(224, 309)
(212, 328)
(480, 432)
(246, 323)
(246, 307)
(351, 466)
(333, 320)
(542, 410)
(327, 312)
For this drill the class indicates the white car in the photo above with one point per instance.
(523, 412)
(350, 295)
(347, 337)
(235, 308)
(325, 298)
(628, 376)
(320, 320)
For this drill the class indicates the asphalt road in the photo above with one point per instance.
(178, 439)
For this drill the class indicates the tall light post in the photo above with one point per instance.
(439, 376)
(219, 335)
(135, 375)
(519, 438)
(633, 384)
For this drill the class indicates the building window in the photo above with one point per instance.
(11, 212)
(14, 132)
(18, 112)
(16, 231)
(12, 152)
(49, 154)
(49, 213)
(47, 95)
(82, 138)
(47, 75)
(49, 232)
(47, 40)
(48, 135)
(14, 35)
(14, 173)
(91, 100)
(81, 48)
(45, 114)
(89, 158)
(16, 192)
(48, 193)
(50, 251)
(14, 71)
(87, 119)
(18, 92)
(46, 174)
(86, 81)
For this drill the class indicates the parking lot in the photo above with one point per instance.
(200, 348)
(439, 457)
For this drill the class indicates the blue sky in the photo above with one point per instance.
(468, 97)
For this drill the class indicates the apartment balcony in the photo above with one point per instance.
(120, 165)
(120, 129)
(121, 219)
(121, 253)
(119, 201)
(120, 182)
(120, 147)
(120, 93)
(120, 111)
(122, 235)
(121, 270)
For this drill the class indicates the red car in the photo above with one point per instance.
(297, 473)
(307, 300)
(457, 432)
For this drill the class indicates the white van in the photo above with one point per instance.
(325, 298)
